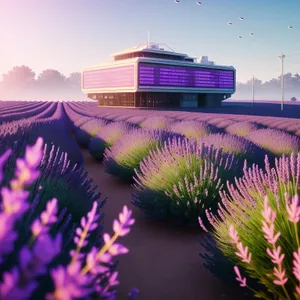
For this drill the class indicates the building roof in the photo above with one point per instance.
(152, 47)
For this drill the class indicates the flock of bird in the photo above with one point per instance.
(230, 23)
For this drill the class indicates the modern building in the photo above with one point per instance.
(151, 76)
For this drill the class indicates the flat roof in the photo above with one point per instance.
(148, 47)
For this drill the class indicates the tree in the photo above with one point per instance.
(74, 80)
(51, 79)
(18, 77)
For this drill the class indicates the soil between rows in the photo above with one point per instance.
(163, 262)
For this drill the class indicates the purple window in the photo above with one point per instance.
(108, 78)
(177, 76)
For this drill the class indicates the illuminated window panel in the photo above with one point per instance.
(110, 77)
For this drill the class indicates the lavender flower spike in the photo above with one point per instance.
(48, 217)
(123, 227)
(26, 172)
(88, 224)
(3, 158)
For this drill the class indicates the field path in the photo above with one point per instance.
(163, 263)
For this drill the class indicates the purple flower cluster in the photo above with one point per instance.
(237, 145)
(193, 129)
(85, 132)
(159, 122)
(242, 128)
(275, 141)
(136, 119)
(88, 273)
(180, 180)
(107, 137)
(126, 154)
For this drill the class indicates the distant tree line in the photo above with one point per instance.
(271, 89)
(22, 83)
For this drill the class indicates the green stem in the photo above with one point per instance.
(296, 232)
(286, 293)
(100, 253)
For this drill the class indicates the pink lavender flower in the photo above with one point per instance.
(201, 224)
(275, 255)
(296, 264)
(233, 234)
(243, 251)
(293, 208)
(280, 275)
(268, 223)
(239, 278)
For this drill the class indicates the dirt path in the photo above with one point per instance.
(163, 262)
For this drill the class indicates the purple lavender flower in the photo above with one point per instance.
(242, 128)
(126, 153)
(48, 217)
(70, 281)
(178, 181)
(236, 145)
(85, 132)
(159, 122)
(136, 119)
(193, 129)
(275, 141)
(107, 137)
(3, 158)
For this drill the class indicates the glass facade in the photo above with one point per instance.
(151, 74)
(122, 76)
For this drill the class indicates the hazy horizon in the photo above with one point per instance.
(72, 35)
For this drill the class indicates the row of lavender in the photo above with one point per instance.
(188, 180)
(290, 125)
(43, 204)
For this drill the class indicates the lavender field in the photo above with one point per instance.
(207, 202)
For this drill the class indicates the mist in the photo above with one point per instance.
(22, 83)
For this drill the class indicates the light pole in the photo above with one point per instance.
(281, 57)
(252, 90)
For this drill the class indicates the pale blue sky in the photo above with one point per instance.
(70, 35)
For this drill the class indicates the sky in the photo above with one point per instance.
(70, 35)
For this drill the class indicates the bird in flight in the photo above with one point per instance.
(241, 18)
(290, 27)
(240, 37)
(198, 3)
(229, 23)
(176, 1)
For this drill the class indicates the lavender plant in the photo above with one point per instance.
(258, 227)
(178, 181)
(275, 141)
(87, 274)
(74, 189)
(88, 130)
(193, 129)
(107, 137)
(160, 122)
(240, 147)
(126, 154)
(242, 128)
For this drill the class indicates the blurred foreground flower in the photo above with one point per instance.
(89, 273)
